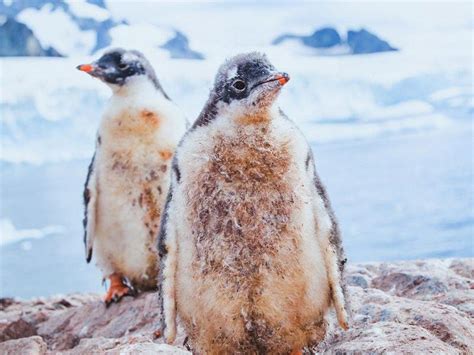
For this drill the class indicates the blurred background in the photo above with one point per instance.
(383, 91)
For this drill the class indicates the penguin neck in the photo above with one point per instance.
(136, 86)
(241, 116)
(261, 116)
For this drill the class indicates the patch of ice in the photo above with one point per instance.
(27, 245)
(82, 8)
(400, 110)
(9, 234)
(334, 132)
(447, 93)
(46, 22)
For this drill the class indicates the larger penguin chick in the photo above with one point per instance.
(251, 251)
(129, 174)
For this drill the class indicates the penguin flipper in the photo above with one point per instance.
(90, 198)
(331, 244)
(168, 252)
(338, 293)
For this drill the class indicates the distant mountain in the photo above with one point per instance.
(18, 40)
(67, 27)
(327, 38)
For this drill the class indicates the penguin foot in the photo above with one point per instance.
(157, 334)
(117, 289)
(296, 352)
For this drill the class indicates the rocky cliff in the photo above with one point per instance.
(407, 307)
(326, 38)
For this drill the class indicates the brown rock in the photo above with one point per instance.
(447, 323)
(6, 302)
(404, 302)
(25, 346)
(387, 337)
(130, 316)
(17, 329)
(402, 284)
(413, 307)
(134, 345)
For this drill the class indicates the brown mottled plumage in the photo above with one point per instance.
(247, 259)
(129, 176)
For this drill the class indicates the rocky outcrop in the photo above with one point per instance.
(364, 42)
(26, 346)
(326, 38)
(178, 46)
(407, 307)
(414, 307)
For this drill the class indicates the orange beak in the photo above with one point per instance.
(283, 78)
(85, 67)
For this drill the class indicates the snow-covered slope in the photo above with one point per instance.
(50, 111)
(65, 36)
(84, 9)
(82, 27)
(9, 234)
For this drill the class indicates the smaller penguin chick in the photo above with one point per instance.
(129, 175)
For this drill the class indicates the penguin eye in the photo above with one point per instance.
(239, 85)
(123, 66)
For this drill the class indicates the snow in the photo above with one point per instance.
(54, 28)
(337, 132)
(82, 8)
(144, 36)
(9, 234)
(401, 110)
(347, 105)
(51, 111)
(449, 93)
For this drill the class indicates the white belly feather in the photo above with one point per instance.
(133, 160)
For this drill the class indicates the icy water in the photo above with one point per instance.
(401, 197)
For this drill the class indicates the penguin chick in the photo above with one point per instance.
(250, 249)
(129, 175)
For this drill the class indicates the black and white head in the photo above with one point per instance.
(118, 67)
(247, 83)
